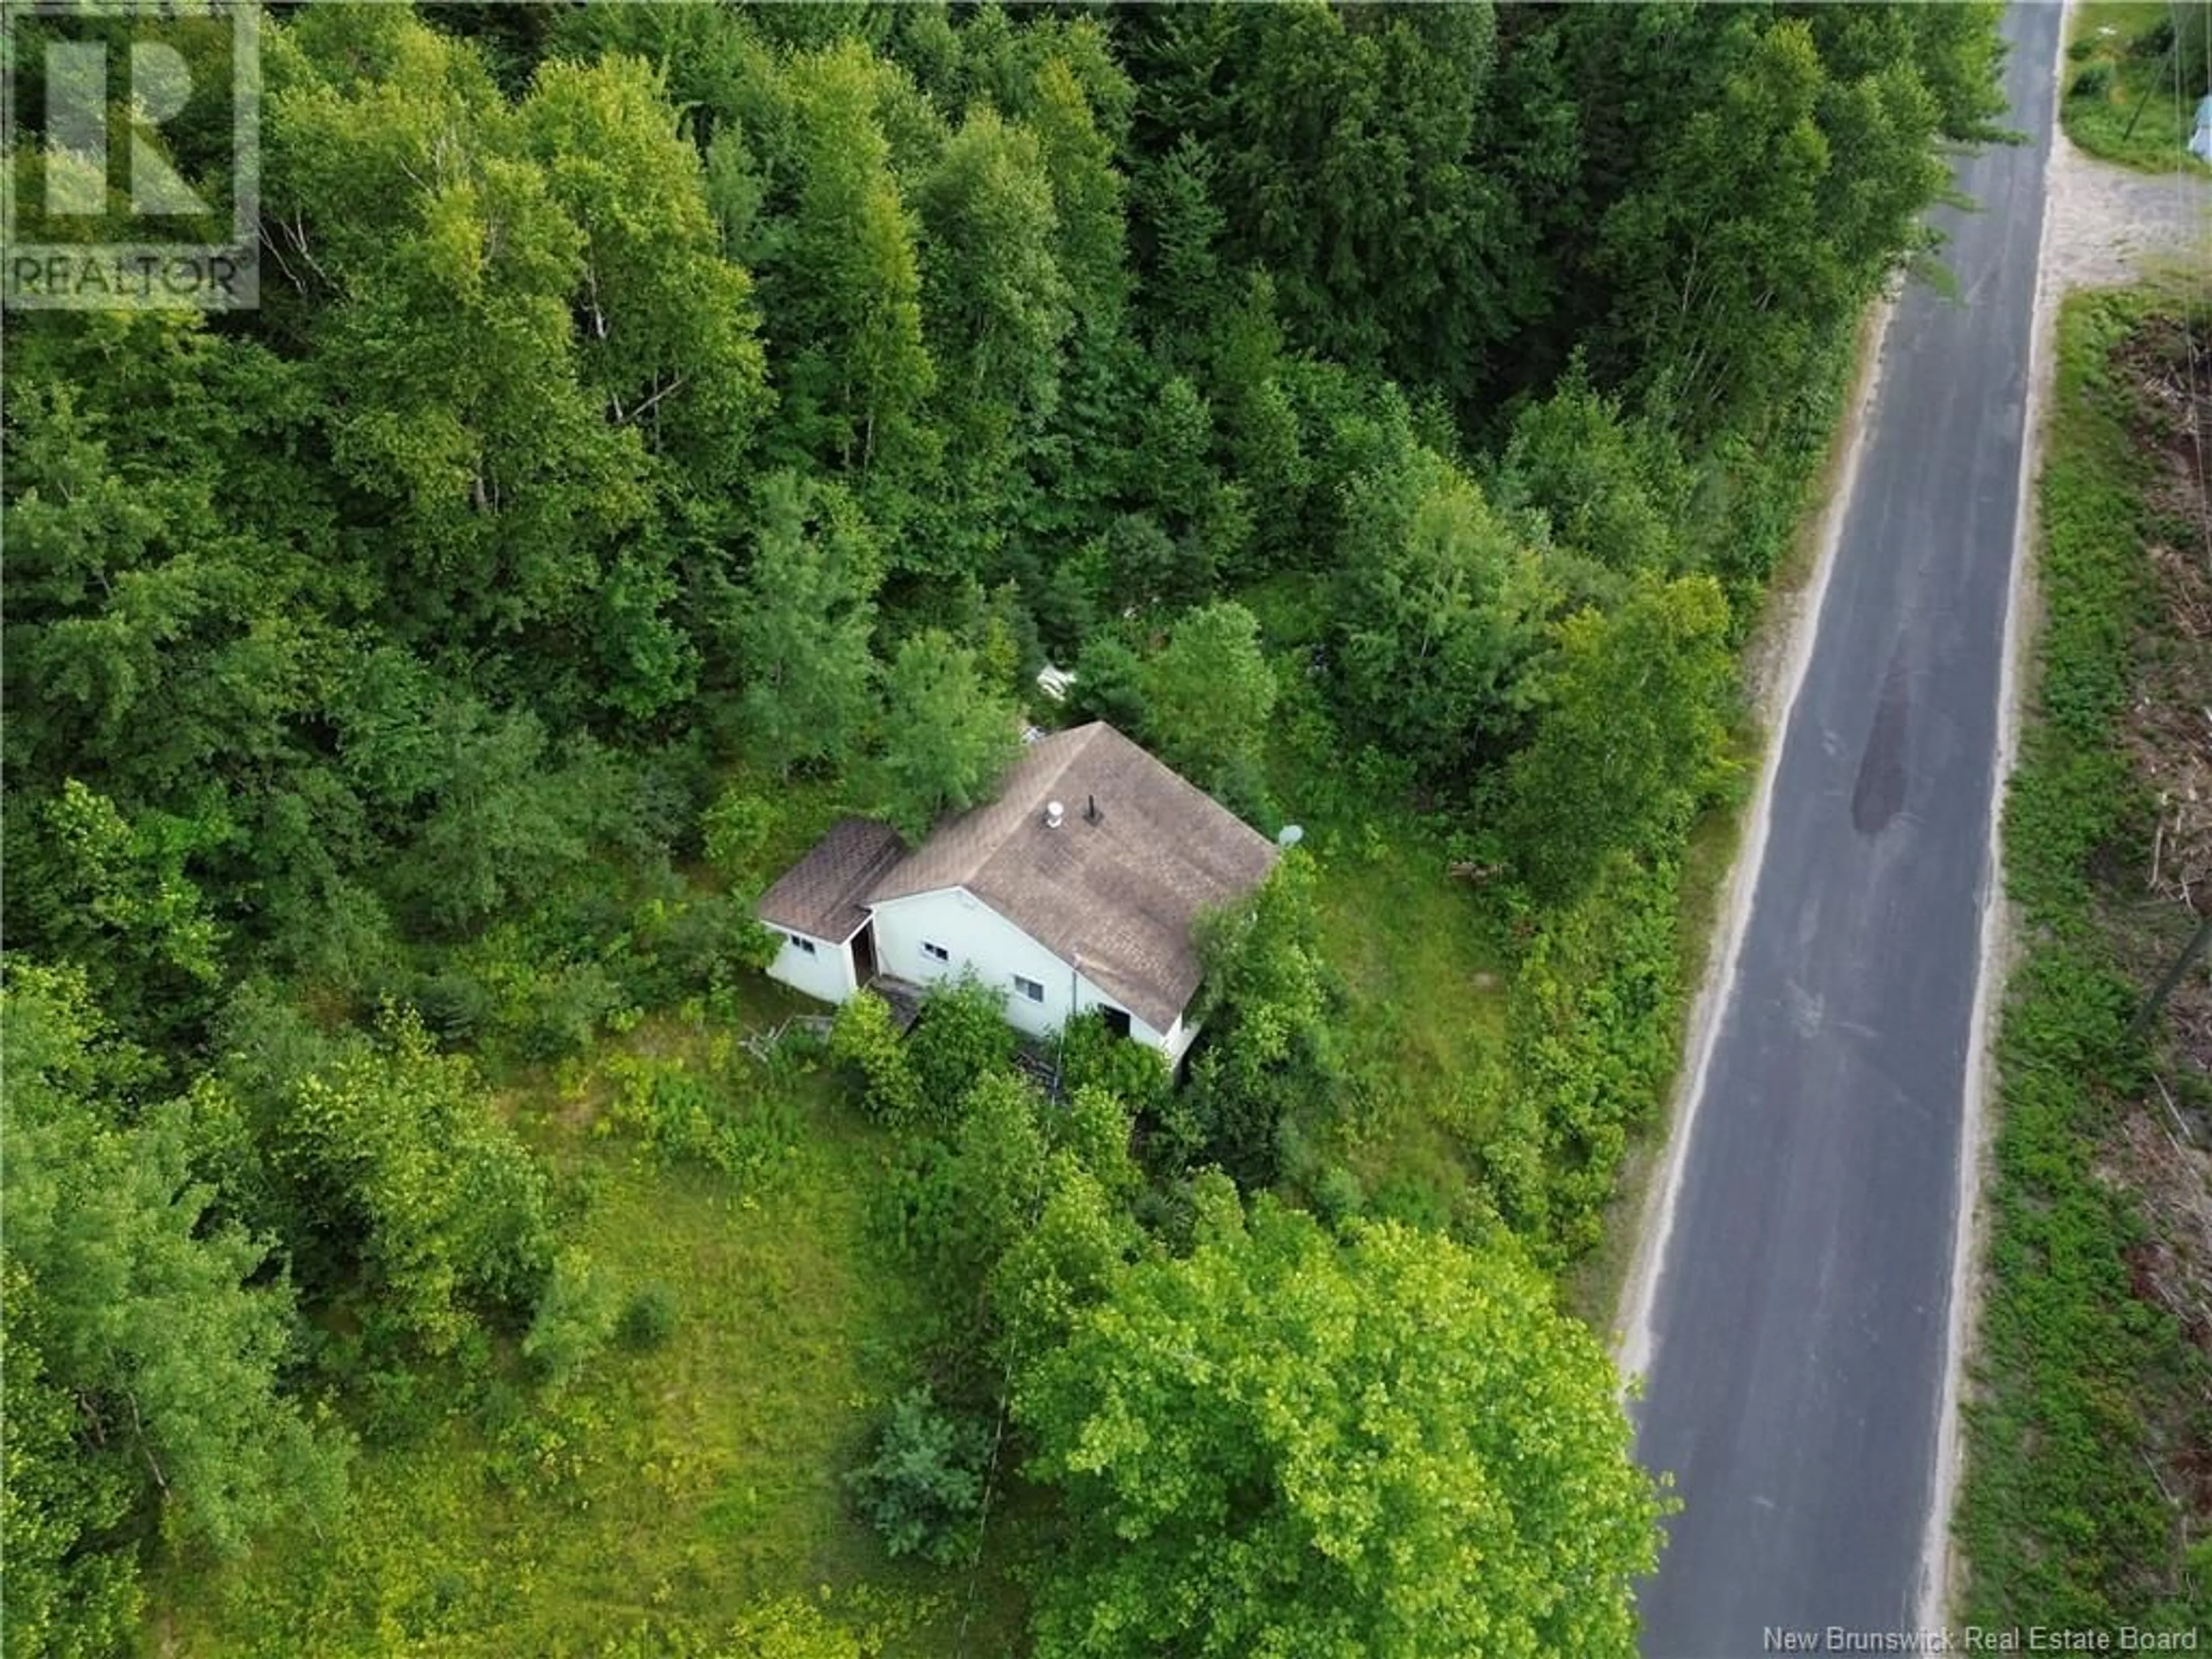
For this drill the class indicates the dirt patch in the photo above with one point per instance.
(2109, 225)
(2158, 1152)
(2167, 1176)
(2156, 1160)
(2169, 728)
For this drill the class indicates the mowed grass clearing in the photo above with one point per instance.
(1422, 960)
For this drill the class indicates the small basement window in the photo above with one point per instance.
(935, 953)
(1030, 988)
(805, 946)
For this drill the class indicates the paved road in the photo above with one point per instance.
(1798, 1322)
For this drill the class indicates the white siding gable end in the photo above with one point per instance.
(975, 937)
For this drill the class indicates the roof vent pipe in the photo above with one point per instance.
(1055, 815)
(1091, 812)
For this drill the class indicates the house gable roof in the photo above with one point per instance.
(1114, 897)
(826, 894)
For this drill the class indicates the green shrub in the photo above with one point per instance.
(924, 1487)
(648, 1319)
(714, 1112)
(397, 1186)
(1093, 1057)
(453, 1005)
(1591, 1022)
(686, 945)
(735, 829)
(566, 1009)
(1093, 1126)
(1272, 1049)
(864, 1038)
(2094, 80)
(573, 1319)
(960, 1037)
(1337, 1195)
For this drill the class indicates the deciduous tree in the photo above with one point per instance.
(846, 293)
(151, 1311)
(395, 1185)
(1443, 606)
(1633, 734)
(1394, 1447)
(947, 737)
(1208, 693)
(802, 626)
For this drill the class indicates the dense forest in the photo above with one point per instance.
(664, 426)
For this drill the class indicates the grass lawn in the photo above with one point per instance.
(1422, 960)
(641, 1510)
(2122, 102)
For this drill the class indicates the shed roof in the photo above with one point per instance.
(826, 894)
(1113, 893)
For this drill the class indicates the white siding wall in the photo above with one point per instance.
(1175, 1039)
(979, 937)
(827, 974)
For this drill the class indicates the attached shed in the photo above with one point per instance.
(820, 908)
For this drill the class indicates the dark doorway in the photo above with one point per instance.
(1117, 1019)
(864, 954)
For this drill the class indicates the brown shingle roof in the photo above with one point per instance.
(826, 894)
(1116, 898)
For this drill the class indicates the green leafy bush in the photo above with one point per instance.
(966, 1198)
(397, 1186)
(1093, 1057)
(960, 1037)
(1592, 1019)
(648, 1319)
(864, 1037)
(575, 1317)
(1271, 1050)
(2093, 80)
(566, 1010)
(735, 829)
(922, 1489)
(1633, 738)
(713, 1110)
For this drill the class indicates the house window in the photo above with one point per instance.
(805, 946)
(935, 953)
(1030, 988)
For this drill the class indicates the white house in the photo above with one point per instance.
(1074, 890)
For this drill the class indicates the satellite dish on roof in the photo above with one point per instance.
(1291, 834)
